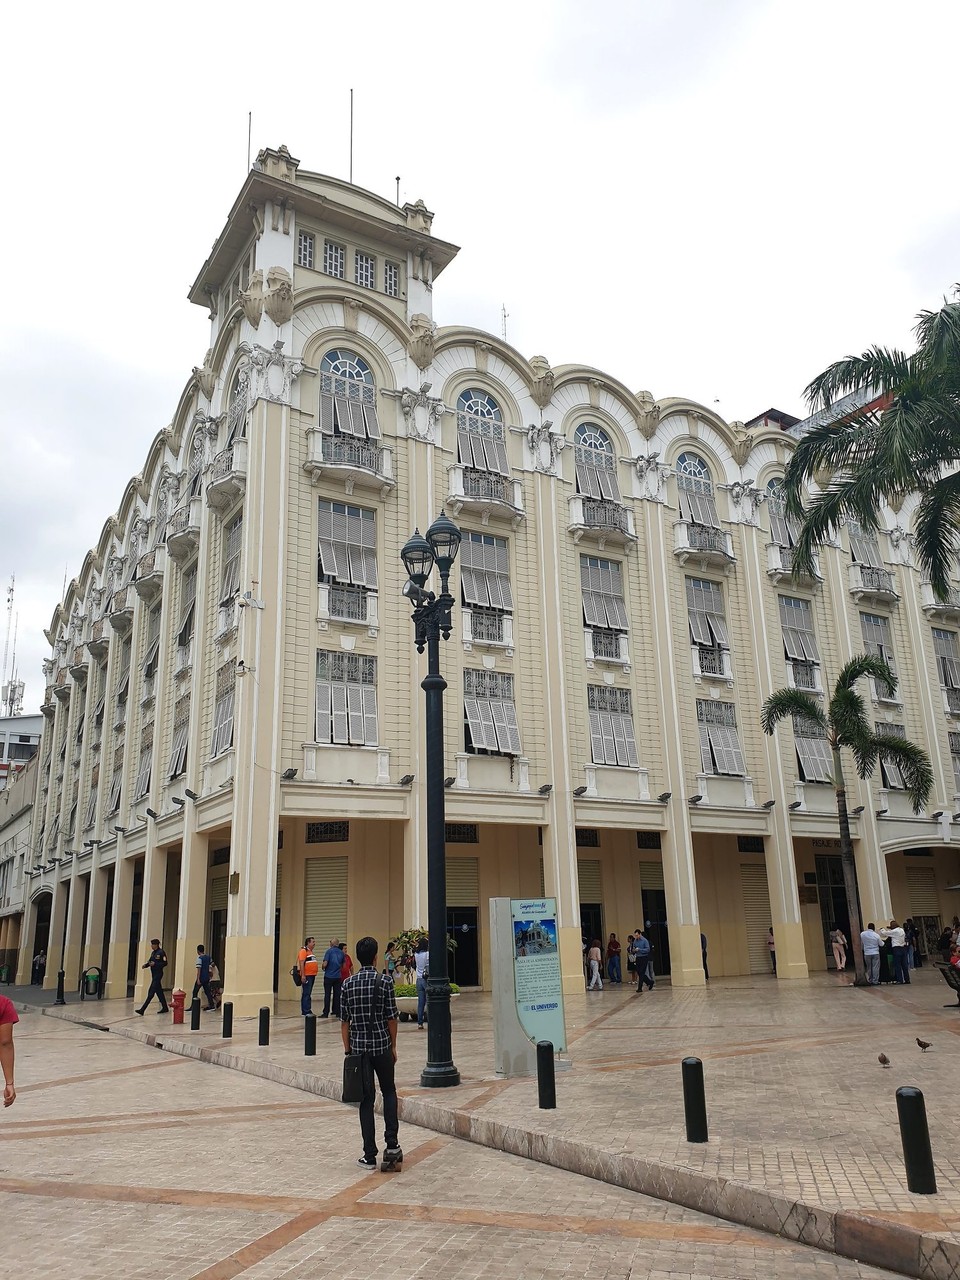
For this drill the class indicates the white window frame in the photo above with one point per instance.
(698, 503)
(890, 773)
(814, 755)
(601, 589)
(223, 711)
(347, 543)
(232, 551)
(485, 572)
(346, 706)
(480, 432)
(334, 259)
(720, 750)
(348, 396)
(306, 249)
(391, 279)
(490, 713)
(612, 737)
(364, 269)
(595, 463)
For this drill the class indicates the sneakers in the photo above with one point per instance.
(139, 1011)
(366, 1163)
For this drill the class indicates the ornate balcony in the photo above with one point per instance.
(99, 642)
(487, 493)
(868, 583)
(364, 463)
(780, 567)
(61, 687)
(48, 707)
(228, 477)
(702, 544)
(948, 610)
(183, 531)
(228, 616)
(951, 701)
(148, 580)
(340, 602)
(120, 610)
(79, 664)
(712, 665)
(805, 676)
(487, 627)
(601, 521)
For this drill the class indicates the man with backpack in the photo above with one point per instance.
(203, 978)
(642, 952)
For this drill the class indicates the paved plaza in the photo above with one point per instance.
(803, 1137)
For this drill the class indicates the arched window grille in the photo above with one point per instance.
(237, 413)
(596, 463)
(480, 432)
(784, 529)
(695, 488)
(348, 396)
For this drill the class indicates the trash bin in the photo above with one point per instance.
(5, 973)
(91, 984)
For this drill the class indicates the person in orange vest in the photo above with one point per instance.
(309, 968)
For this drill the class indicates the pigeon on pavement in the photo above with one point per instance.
(924, 1045)
(883, 1060)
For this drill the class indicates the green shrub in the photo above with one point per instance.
(410, 988)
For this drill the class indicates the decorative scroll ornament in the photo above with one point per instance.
(206, 376)
(96, 599)
(746, 499)
(138, 535)
(901, 543)
(278, 296)
(271, 374)
(541, 388)
(251, 300)
(421, 411)
(545, 447)
(652, 474)
(423, 343)
(648, 416)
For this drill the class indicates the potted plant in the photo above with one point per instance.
(405, 946)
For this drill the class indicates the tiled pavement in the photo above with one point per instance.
(119, 1161)
(804, 1137)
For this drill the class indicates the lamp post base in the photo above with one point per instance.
(439, 1075)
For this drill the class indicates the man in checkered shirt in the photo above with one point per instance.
(372, 1033)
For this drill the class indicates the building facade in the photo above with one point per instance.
(19, 740)
(233, 750)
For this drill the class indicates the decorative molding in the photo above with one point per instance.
(481, 352)
(747, 500)
(545, 446)
(206, 375)
(421, 411)
(251, 300)
(351, 312)
(742, 444)
(648, 415)
(542, 383)
(423, 341)
(271, 374)
(278, 296)
(652, 474)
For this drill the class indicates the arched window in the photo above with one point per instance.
(348, 396)
(783, 528)
(237, 413)
(596, 463)
(695, 488)
(480, 432)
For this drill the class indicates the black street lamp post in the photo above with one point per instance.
(431, 619)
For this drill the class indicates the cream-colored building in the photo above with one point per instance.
(624, 605)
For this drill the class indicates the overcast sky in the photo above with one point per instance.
(709, 198)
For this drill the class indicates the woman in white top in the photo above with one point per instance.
(839, 944)
(422, 961)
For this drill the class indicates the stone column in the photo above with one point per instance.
(151, 913)
(192, 913)
(73, 951)
(118, 951)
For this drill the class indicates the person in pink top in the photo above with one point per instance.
(8, 1016)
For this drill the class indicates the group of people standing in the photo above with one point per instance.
(901, 943)
(639, 962)
(336, 967)
(207, 979)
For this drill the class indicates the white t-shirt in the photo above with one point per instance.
(896, 936)
(421, 960)
(870, 941)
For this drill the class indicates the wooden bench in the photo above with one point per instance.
(951, 976)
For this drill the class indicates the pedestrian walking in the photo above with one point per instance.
(613, 960)
(839, 944)
(309, 967)
(642, 952)
(421, 960)
(594, 958)
(156, 963)
(39, 968)
(368, 1025)
(703, 956)
(898, 941)
(871, 942)
(203, 978)
(331, 964)
(772, 948)
(8, 1017)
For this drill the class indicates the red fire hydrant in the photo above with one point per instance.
(177, 1000)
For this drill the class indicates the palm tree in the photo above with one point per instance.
(844, 723)
(897, 433)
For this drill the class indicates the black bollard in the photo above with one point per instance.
(227, 1032)
(195, 1014)
(694, 1100)
(546, 1080)
(915, 1136)
(60, 996)
(264, 1036)
(310, 1035)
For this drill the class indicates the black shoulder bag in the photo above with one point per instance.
(353, 1062)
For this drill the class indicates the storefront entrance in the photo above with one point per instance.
(464, 960)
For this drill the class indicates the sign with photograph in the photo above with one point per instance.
(536, 970)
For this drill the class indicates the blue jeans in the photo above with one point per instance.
(421, 999)
(613, 969)
(306, 991)
(900, 964)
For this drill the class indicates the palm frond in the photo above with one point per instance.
(866, 664)
(784, 703)
(848, 718)
(937, 532)
(913, 763)
(938, 332)
(878, 368)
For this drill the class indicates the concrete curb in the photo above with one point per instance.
(876, 1241)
